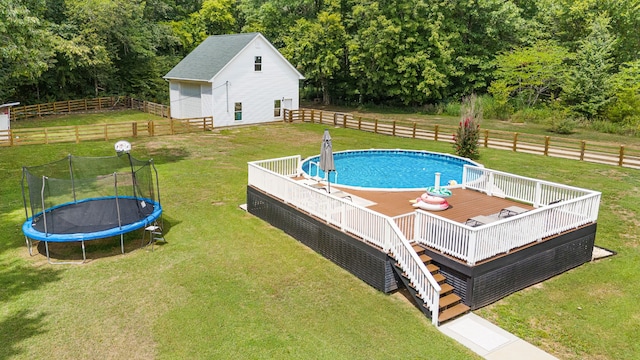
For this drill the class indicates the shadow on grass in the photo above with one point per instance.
(15, 329)
(16, 278)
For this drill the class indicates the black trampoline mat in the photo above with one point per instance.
(93, 215)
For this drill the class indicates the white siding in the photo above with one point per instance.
(174, 99)
(190, 102)
(256, 90)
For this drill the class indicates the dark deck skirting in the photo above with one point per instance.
(490, 281)
(368, 263)
(478, 285)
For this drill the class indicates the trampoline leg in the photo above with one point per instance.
(46, 246)
(84, 255)
(29, 245)
(122, 243)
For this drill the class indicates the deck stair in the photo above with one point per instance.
(451, 305)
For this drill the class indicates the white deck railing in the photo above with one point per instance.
(274, 177)
(558, 208)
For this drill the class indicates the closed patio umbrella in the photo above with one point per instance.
(326, 156)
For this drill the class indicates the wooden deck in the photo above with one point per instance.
(465, 204)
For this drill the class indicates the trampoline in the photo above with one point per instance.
(78, 199)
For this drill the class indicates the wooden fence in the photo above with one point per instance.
(87, 105)
(78, 133)
(597, 152)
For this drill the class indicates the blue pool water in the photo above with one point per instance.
(390, 169)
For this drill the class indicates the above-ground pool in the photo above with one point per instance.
(390, 169)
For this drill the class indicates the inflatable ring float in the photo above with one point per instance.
(439, 191)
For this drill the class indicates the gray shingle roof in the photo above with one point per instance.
(208, 58)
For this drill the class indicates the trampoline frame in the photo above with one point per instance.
(32, 234)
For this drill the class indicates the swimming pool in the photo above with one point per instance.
(390, 169)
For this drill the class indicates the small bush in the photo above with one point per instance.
(562, 125)
(492, 109)
(452, 109)
(468, 132)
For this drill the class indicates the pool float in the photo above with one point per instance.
(431, 203)
(439, 191)
(444, 205)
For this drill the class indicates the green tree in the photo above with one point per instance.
(529, 74)
(625, 107)
(317, 49)
(588, 88)
(25, 48)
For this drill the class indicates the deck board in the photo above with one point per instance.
(465, 203)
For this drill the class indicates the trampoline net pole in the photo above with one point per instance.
(73, 185)
(115, 184)
(44, 213)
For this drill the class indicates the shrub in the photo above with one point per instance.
(468, 132)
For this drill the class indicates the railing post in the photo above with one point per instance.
(583, 147)
(537, 197)
(515, 142)
(436, 130)
(621, 156)
(547, 140)
(471, 257)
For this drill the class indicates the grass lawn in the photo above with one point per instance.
(229, 286)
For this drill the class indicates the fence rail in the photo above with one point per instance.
(597, 152)
(79, 133)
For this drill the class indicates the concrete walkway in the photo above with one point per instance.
(490, 341)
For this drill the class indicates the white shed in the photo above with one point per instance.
(237, 79)
(5, 119)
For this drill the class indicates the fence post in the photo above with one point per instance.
(515, 142)
(290, 116)
(621, 156)
(393, 132)
(171, 127)
(486, 138)
(85, 104)
(99, 103)
(547, 139)
(344, 121)
(414, 130)
(375, 128)
(150, 128)
(436, 130)
(320, 116)
(46, 136)
(68, 106)
(583, 147)
(77, 134)
(335, 119)
(312, 116)
(106, 133)
(134, 129)
(10, 137)
(303, 113)
(359, 122)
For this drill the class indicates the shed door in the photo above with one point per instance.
(190, 102)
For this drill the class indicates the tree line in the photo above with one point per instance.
(575, 59)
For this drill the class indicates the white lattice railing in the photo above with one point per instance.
(273, 177)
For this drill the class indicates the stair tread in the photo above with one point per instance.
(425, 258)
(418, 248)
(453, 312)
(432, 268)
(449, 300)
(439, 277)
(445, 288)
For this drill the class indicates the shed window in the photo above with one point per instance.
(257, 65)
(238, 111)
(277, 108)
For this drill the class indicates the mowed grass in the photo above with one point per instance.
(229, 286)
